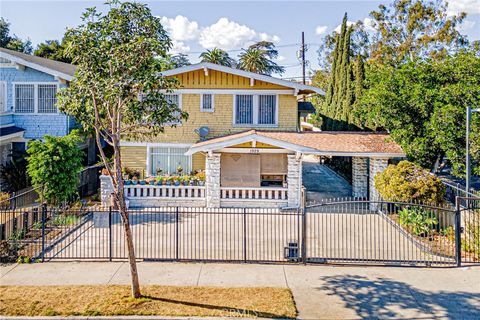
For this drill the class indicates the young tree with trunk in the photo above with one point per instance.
(117, 88)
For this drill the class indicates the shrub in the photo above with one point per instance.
(417, 220)
(4, 200)
(54, 166)
(408, 182)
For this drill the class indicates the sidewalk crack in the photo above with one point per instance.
(285, 277)
(199, 274)
(116, 271)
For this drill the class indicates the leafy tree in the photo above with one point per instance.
(54, 166)
(12, 42)
(259, 58)
(180, 60)
(218, 56)
(423, 104)
(120, 57)
(52, 49)
(14, 173)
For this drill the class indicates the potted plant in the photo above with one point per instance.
(159, 181)
(201, 178)
(134, 180)
(150, 180)
(105, 172)
(159, 172)
(179, 169)
(176, 180)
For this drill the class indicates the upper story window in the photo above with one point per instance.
(177, 100)
(255, 110)
(35, 98)
(206, 103)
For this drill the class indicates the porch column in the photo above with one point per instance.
(377, 165)
(360, 177)
(106, 189)
(294, 180)
(212, 181)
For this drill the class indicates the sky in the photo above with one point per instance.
(195, 26)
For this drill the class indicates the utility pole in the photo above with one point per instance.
(303, 57)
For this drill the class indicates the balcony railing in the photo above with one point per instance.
(248, 193)
(164, 191)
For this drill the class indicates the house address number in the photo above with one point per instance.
(254, 151)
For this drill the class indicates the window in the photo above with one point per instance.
(255, 110)
(47, 97)
(206, 103)
(266, 109)
(35, 97)
(174, 99)
(168, 159)
(25, 98)
(244, 109)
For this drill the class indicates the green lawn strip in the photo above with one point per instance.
(157, 300)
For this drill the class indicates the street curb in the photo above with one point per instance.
(122, 318)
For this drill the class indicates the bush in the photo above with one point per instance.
(4, 200)
(408, 182)
(54, 166)
(417, 220)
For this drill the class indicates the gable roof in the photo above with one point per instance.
(55, 68)
(328, 143)
(300, 88)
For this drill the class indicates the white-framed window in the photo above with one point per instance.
(3, 96)
(168, 159)
(35, 97)
(255, 110)
(207, 103)
(24, 98)
(176, 99)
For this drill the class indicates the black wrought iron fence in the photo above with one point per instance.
(337, 231)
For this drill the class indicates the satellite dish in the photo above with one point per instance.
(202, 132)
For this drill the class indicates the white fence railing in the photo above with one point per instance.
(246, 193)
(163, 191)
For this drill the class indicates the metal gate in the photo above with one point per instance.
(366, 232)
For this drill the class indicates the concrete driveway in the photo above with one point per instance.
(322, 182)
(320, 292)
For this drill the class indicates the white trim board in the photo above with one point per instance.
(228, 91)
(20, 61)
(242, 73)
(154, 144)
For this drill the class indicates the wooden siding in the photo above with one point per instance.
(134, 157)
(217, 79)
(220, 122)
(198, 161)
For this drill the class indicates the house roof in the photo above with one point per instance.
(326, 143)
(300, 88)
(306, 107)
(10, 130)
(55, 68)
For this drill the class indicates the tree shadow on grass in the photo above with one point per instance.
(231, 311)
(383, 298)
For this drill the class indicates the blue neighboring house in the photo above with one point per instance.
(28, 88)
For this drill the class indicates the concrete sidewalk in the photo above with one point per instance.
(320, 292)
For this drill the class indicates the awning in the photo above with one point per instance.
(11, 130)
(305, 107)
(325, 143)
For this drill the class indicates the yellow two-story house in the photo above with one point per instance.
(243, 131)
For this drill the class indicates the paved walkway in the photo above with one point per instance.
(320, 292)
(322, 182)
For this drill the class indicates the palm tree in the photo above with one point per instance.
(218, 56)
(259, 58)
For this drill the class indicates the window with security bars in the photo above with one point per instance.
(266, 109)
(207, 102)
(25, 98)
(168, 159)
(244, 109)
(256, 109)
(47, 97)
(174, 99)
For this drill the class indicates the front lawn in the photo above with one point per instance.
(157, 300)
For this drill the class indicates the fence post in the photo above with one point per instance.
(458, 234)
(177, 235)
(304, 235)
(44, 217)
(245, 235)
(110, 243)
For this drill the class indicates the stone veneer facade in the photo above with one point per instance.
(212, 182)
(360, 177)
(294, 180)
(377, 165)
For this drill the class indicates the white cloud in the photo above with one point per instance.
(320, 30)
(468, 6)
(466, 25)
(226, 34)
(369, 24)
(265, 37)
(280, 58)
(339, 27)
(179, 47)
(180, 28)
